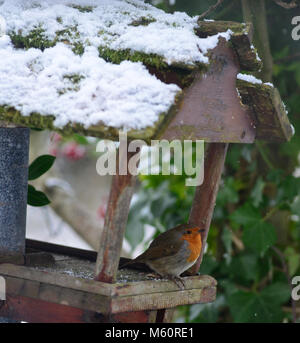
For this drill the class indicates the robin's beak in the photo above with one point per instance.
(201, 230)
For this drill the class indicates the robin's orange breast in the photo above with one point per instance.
(194, 245)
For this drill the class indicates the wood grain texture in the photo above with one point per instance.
(38, 311)
(121, 192)
(206, 194)
(241, 40)
(211, 109)
(103, 298)
(271, 119)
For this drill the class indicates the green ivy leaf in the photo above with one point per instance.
(277, 293)
(36, 198)
(80, 139)
(293, 259)
(257, 192)
(259, 237)
(228, 193)
(295, 207)
(245, 215)
(288, 189)
(40, 166)
(227, 241)
(208, 265)
(233, 156)
(206, 313)
(248, 307)
(245, 267)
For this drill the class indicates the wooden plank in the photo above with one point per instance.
(241, 40)
(162, 286)
(206, 194)
(211, 109)
(121, 192)
(161, 301)
(36, 311)
(271, 117)
(93, 296)
(55, 279)
(55, 294)
(102, 304)
(90, 286)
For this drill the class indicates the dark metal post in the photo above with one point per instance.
(14, 151)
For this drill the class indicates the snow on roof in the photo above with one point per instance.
(117, 24)
(252, 79)
(82, 87)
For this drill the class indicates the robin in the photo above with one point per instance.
(173, 252)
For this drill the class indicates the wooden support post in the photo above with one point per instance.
(122, 188)
(203, 205)
(14, 151)
(206, 194)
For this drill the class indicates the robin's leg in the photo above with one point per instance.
(178, 281)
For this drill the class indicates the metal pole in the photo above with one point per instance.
(14, 154)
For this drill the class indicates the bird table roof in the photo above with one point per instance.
(96, 67)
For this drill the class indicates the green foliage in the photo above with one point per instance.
(80, 139)
(258, 308)
(40, 166)
(259, 237)
(37, 168)
(240, 254)
(36, 198)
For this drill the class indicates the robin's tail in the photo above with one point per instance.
(125, 262)
(133, 264)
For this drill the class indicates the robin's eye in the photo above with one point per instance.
(188, 232)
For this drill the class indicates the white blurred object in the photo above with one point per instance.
(38, 221)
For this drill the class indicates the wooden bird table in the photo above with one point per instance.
(78, 81)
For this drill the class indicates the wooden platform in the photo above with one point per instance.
(68, 281)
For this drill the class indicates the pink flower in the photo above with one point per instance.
(74, 151)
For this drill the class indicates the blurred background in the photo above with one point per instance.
(253, 246)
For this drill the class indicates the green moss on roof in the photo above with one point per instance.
(74, 80)
(83, 9)
(35, 39)
(117, 56)
(37, 121)
(143, 21)
(70, 35)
